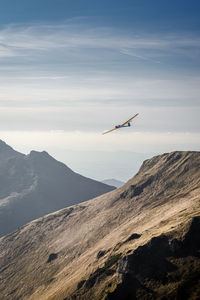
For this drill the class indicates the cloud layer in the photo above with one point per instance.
(74, 40)
(62, 85)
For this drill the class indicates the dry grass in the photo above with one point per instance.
(165, 204)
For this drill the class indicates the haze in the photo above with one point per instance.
(71, 70)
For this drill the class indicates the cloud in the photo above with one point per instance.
(74, 57)
(108, 88)
(92, 117)
(41, 39)
(78, 63)
(69, 77)
(91, 141)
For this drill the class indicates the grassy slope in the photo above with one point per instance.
(162, 198)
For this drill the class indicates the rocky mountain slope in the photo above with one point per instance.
(34, 185)
(140, 241)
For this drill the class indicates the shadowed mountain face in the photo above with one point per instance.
(140, 241)
(36, 184)
(7, 152)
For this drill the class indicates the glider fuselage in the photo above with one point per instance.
(119, 126)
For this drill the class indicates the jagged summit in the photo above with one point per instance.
(91, 250)
(44, 162)
(42, 156)
(34, 153)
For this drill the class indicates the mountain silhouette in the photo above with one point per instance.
(37, 184)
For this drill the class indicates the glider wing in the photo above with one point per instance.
(129, 120)
(109, 130)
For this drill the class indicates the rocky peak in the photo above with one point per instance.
(43, 162)
(34, 153)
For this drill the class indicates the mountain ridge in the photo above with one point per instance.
(7, 151)
(75, 253)
(36, 184)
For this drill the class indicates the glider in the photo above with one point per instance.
(125, 124)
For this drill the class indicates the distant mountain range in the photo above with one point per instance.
(113, 182)
(140, 241)
(36, 184)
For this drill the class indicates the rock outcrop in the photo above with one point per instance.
(158, 264)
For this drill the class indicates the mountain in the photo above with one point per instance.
(140, 241)
(113, 182)
(36, 184)
(6, 152)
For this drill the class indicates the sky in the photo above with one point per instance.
(70, 70)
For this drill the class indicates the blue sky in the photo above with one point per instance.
(71, 69)
(184, 15)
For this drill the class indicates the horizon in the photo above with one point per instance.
(78, 166)
(70, 71)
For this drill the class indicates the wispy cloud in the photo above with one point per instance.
(47, 82)
(133, 53)
(39, 39)
(108, 88)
